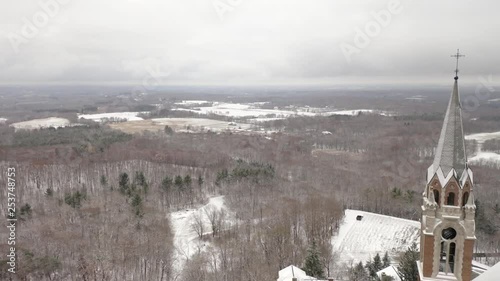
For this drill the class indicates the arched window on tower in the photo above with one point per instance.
(465, 198)
(448, 249)
(451, 199)
(436, 197)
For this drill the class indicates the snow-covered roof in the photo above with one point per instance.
(389, 271)
(290, 272)
(492, 274)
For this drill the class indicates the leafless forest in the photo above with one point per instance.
(94, 203)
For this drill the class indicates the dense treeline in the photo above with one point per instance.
(285, 194)
(85, 138)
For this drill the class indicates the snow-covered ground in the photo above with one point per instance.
(186, 241)
(197, 123)
(264, 119)
(361, 240)
(3, 120)
(253, 110)
(55, 122)
(101, 117)
(484, 157)
(482, 137)
(191, 102)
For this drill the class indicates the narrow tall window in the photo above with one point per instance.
(447, 253)
(451, 199)
(465, 198)
(436, 196)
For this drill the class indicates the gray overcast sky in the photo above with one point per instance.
(246, 41)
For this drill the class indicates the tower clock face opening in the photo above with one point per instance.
(449, 233)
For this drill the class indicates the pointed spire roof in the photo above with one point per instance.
(450, 152)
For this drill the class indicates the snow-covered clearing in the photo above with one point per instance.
(482, 137)
(198, 123)
(101, 117)
(361, 240)
(186, 241)
(191, 102)
(180, 125)
(486, 159)
(55, 122)
(264, 119)
(483, 157)
(253, 110)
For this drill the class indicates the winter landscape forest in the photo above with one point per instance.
(249, 140)
(162, 188)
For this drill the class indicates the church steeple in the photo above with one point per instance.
(450, 152)
(448, 210)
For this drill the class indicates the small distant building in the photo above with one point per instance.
(389, 271)
(291, 272)
(359, 217)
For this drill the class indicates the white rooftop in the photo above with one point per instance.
(287, 273)
(492, 274)
(389, 271)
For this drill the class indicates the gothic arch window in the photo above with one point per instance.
(451, 199)
(465, 198)
(436, 196)
(448, 250)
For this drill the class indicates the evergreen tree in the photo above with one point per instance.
(166, 183)
(140, 179)
(187, 181)
(200, 181)
(377, 263)
(179, 182)
(386, 260)
(103, 180)
(371, 269)
(123, 182)
(168, 130)
(408, 264)
(358, 273)
(313, 266)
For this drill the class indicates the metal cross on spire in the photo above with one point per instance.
(458, 55)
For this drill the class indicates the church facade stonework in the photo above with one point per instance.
(448, 210)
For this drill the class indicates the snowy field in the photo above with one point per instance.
(55, 122)
(180, 125)
(361, 240)
(199, 123)
(484, 157)
(192, 102)
(101, 117)
(254, 110)
(3, 120)
(186, 241)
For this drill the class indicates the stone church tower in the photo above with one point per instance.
(447, 225)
